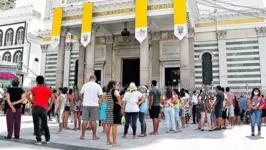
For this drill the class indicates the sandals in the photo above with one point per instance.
(82, 138)
(141, 135)
(115, 145)
(96, 138)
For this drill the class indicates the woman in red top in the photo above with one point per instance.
(169, 111)
(264, 112)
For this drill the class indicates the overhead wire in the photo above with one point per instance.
(239, 5)
(210, 4)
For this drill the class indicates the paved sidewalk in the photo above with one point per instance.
(190, 138)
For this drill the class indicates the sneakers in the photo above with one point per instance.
(47, 142)
(38, 143)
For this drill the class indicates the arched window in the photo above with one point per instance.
(207, 69)
(1, 37)
(17, 58)
(7, 56)
(20, 36)
(9, 37)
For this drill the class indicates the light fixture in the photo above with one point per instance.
(125, 33)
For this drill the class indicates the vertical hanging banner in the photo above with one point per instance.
(180, 19)
(56, 28)
(141, 31)
(86, 24)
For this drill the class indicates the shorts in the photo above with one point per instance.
(237, 112)
(230, 111)
(225, 116)
(90, 113)
(67, 108)
(154, 112)
(218, 112)
(212, 115)
(263, 113)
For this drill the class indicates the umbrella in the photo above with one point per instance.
(7, 75)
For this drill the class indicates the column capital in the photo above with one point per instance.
(156, 36)
(64, 31)
(261, 31)
(221, 34)
(95, 27)
(109, 39)
(68, 46)
(44, 48)
(191, 32)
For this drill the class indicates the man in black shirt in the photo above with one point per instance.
(219, 98)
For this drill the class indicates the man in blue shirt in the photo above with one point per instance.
(243, 107)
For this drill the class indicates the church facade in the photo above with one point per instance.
(224, 49)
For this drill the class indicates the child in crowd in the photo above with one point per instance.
(60, 106)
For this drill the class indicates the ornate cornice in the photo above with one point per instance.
(221, 35)
(261, 31)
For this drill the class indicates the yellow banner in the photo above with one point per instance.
(180, 12)
(87, 17)
(56, 28)
(141, 13)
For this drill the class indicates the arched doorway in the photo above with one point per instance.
(207, 76)
(76, 72)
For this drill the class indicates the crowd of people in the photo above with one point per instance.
(112, 106)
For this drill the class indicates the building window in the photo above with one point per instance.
(17, 57)
(7, 56)
(1, 37)
(207, 75)
(20, 36)
(9, 37)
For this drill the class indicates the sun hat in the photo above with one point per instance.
(132, 87)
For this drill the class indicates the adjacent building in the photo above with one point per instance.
(20, 49)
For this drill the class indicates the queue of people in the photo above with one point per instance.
(110, 105)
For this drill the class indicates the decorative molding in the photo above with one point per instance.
(261, 31)
(109, 39)
(156, 36)
(221, 35)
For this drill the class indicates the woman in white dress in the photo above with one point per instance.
(60, 106)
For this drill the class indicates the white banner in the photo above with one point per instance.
(181, 31)
(55, 41)
(85, 39)
(141, 34)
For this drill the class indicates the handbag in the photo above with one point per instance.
(199, 107)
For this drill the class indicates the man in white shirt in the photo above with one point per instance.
(90, 94)
(194, 103)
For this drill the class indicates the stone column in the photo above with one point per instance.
(109, 55)
(68, 48)
(221, 36)
(191, 59)
(261, 32)
(156, 56)
(60, 59)
(144, 62)
(90, 55)
(43, 58)
(184, 63)
(81, 63)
